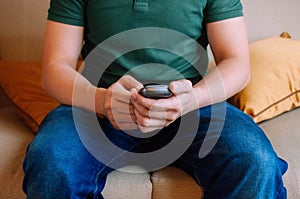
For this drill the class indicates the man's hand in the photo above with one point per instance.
(118, 108)
(154, 114)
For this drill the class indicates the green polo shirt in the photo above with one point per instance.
(103, 19)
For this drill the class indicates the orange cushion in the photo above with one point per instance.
(21, 83)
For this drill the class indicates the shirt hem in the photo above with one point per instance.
(64, 20)
(224, 16)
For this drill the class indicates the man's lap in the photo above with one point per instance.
(231, 133)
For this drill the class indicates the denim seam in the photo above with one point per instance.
(279, 190)
(107, 165)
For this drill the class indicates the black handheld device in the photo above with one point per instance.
(155, 91)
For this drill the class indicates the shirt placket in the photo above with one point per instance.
(141, 5)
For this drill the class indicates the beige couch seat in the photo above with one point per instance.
(284, 134)
(14, 138)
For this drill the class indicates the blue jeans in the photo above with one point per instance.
(242, 164)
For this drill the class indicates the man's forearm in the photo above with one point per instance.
(69, 87)
(224, 81)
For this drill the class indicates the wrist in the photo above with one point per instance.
(201, 95)
(197, 95)
(100, 102)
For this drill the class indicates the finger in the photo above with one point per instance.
(125, 126)
(129, 82)
(123, 118)
(161, 105)
(160, 114)
(147, 103)
(180, 86)
(141, 109)
(120, 93)
(167, 109)
(149, 122)
(118, 111)
(148, 129)
(131, 109)
(121, 107)
(123, 121)
(123, 112)
(121, 89)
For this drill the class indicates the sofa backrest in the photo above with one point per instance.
(22, 24)
(267, 18)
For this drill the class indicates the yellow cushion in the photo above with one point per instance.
(21, 83)
(274, 87)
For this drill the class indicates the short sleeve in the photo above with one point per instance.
(217, 10)
(70, 12)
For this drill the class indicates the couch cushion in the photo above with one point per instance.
(21, 82)
(173, 183)
(14, 138)
(4, 100)
(275, 73)
(121, 185)
(284, 133)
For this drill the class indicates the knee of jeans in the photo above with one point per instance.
(51, 155)
(259, 162)
(57, 166)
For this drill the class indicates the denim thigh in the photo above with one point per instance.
(242, 163)
(58, 165)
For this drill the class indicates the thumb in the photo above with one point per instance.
(129, 82)
(180, 86)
